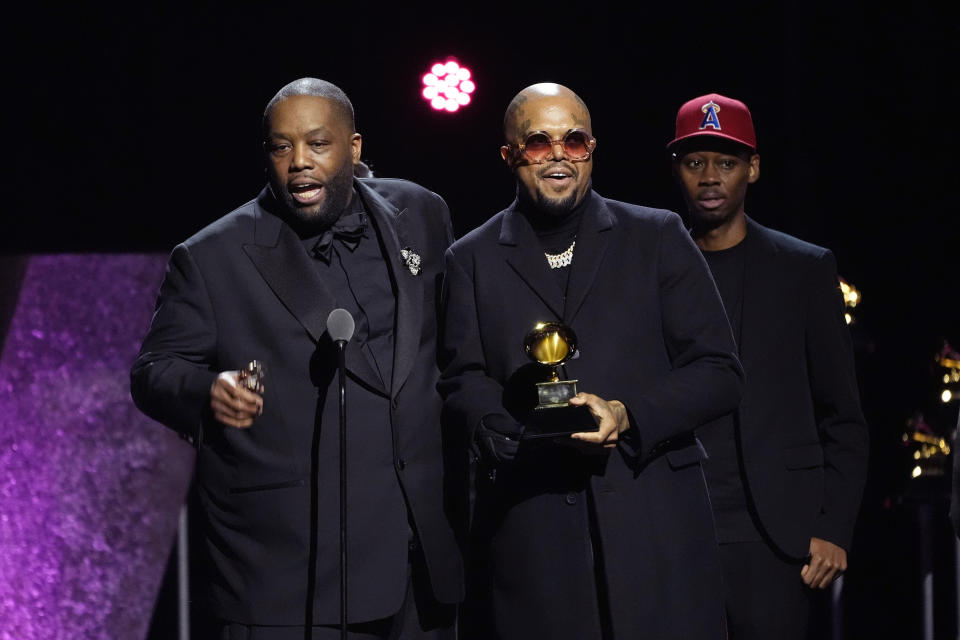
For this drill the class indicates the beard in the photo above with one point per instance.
(556, 206)
(321, 216)
(702, 221)
(546, 206)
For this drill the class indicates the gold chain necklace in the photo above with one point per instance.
(562, 259)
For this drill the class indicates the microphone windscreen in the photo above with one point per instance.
(340, 325)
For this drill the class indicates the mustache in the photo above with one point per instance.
(554, 165)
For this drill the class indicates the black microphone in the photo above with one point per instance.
(340, 326)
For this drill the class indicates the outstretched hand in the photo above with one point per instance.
(610, 416)
(233, 405)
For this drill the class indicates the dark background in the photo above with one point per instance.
(129, 130)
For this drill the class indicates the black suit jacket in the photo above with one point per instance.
(802, 434)
(245, 288)
(652, 334)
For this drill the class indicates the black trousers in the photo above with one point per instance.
(420, 617)
(765, 596)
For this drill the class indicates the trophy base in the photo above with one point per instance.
(550, 421)
(555, 394)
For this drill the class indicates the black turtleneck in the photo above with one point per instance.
(556, 232)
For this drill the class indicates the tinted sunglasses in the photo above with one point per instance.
(577, 146)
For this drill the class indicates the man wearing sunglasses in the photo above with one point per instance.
(607, 532)
(786, 470)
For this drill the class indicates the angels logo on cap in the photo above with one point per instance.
(701, 117)
(710, 118)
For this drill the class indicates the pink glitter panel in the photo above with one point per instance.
(89, 487)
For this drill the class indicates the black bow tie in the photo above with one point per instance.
(349, 229)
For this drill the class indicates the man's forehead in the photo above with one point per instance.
(549, 112)
(317, 110)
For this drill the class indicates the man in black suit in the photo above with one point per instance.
(603, 533)
(259, 284)
(786, 470)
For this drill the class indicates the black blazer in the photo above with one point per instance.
(652, 334)
(244, 288)
(802, 434)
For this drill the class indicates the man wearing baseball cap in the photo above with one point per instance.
(786, 470)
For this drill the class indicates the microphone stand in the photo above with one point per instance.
(340, 326)
(341, 365)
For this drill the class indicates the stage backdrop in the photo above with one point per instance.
(89, 487)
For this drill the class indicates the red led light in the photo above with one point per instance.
(447, 86)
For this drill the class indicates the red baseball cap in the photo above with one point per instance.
(717, 116)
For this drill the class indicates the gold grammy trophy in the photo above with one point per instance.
(551, 344)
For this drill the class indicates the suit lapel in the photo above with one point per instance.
(758, 282)
(392, 225)
(288, 270)
(525, 257)
(587, 255)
